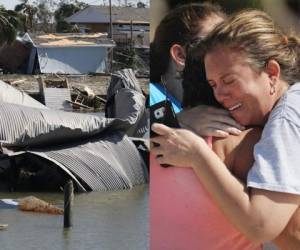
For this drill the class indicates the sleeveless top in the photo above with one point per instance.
(183, 215)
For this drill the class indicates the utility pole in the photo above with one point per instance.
(111, 35)
(110, 21)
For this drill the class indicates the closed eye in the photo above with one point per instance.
(227, 82)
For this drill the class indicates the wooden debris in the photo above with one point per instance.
(34, 204)
(86, 99)
(3, 226)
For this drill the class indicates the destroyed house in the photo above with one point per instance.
(62, 53)
(69, 53)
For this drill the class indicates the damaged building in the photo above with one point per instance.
(58, 54)
(42, 148)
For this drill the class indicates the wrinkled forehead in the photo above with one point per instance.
(222, 60)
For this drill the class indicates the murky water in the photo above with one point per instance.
(101, 220)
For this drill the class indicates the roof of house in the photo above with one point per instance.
(71, 40)
(100, 14)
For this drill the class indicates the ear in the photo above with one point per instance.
(273, 71)
(178, 55)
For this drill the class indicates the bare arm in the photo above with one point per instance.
(260, 214)
(237, 152)
(289, 239)
(209, 121)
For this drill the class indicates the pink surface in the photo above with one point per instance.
(183, 217)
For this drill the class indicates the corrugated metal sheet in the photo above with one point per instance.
(100, 14)
(107, 163)
(72, 60)
(55, 98)
(22, 126)
(87, 147)
(11, 95)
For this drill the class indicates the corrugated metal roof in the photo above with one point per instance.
(11, 95)
(87, 146)
(109, 162)
(22, 126)
(55, 98)
(100, 14)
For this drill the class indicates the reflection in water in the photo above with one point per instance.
(101, 220)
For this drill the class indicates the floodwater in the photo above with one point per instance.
(101, 220)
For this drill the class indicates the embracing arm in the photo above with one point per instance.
(289, 239)
(209, 121)
(237, 154)
(260, 214)
(237, 151)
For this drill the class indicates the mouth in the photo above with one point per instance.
(235, 107)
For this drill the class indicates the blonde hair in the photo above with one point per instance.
(255, 33)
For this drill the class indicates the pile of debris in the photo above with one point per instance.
(56, 94)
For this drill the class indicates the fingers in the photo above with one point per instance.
(221, 116)
(156, 150)
(157, 139)
(227, 120)
(161, 159)
(161, 129)
(202, 117)
(158, 153)
(233, 131)
(217, 133)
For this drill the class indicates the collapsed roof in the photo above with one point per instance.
(94, 151)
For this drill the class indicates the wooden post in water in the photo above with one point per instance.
(68, 202)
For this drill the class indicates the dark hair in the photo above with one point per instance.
(181, 26)
(196, 90)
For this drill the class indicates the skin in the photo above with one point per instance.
(235, 82)
(178, 56)
(248, 209)
(213, 121)
(236, 153)
(261, 215)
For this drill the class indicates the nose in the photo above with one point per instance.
(221, 93)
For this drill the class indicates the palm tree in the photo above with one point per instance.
(8, 25)
(64, 10)
(29, 11)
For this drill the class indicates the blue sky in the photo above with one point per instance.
(10, 4)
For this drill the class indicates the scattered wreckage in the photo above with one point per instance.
(43, 148)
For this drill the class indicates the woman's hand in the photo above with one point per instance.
(178, 147)
(209, 121)
(248, 211)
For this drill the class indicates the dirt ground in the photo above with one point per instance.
(98, 84)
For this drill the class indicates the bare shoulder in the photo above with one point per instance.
(237, 151)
